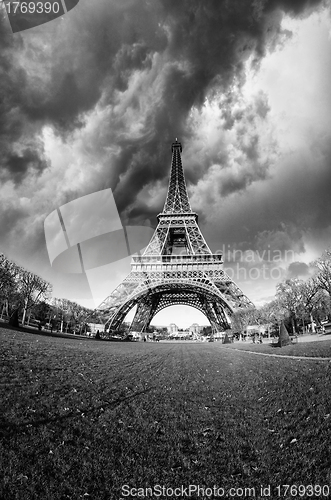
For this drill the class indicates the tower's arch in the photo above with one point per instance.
(152, 299)
(182, 316)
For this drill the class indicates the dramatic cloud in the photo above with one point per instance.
(298, 269)
(94, 100)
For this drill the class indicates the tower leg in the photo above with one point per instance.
(211, 313)
(221, 317)
(144, 314)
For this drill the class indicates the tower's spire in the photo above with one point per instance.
(177, 199)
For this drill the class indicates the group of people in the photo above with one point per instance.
(257, 339)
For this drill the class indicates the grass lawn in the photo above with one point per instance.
(322, 348)
(79, 419)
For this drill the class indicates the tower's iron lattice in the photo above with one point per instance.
(177, 267)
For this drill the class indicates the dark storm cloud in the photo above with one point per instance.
(299, 196)
(70, 68)
(259, 108)
(18, 165)
(102, 43)
(129, 58)
(283, 238)
(303, 196)
(93, 54)
(21, 150)
(210, 40)
(294, 7)
(9, 218)
(296, 269)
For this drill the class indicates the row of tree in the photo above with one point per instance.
(300, 304)
(27, 297)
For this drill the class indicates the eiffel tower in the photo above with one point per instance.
(177, 267)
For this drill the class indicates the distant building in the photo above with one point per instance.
(195, 329)
(172, 328)
(94, 327)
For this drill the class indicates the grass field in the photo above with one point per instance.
(322, 348)
(81, 419)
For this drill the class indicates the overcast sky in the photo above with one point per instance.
(93, 100)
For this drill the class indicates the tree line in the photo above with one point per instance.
(301, 304)
(26, 298)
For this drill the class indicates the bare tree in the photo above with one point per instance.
(32, 289)
(244, 317)
(323, 275)
(79, 315)
(9, 277)
(273, 312)
(63, 312)
(310, 295)
(289, 297)
(71, 313)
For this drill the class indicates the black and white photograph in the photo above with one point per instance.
(165, 249)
